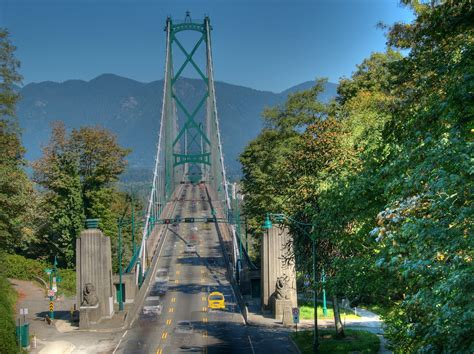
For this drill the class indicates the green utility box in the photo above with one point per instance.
(23, 334)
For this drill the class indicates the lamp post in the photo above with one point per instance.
(133, 223)
(123, 222)
(323, 282)
(268, 225)
(120, 265)
(53, 280)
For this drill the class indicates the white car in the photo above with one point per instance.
(189, 248)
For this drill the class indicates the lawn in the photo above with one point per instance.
(307, 312)
(360, 341)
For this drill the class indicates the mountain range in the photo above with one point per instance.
(132, 111)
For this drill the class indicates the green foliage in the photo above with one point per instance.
(355, 341)
(58, 173)
(78, 174)
(19, 267)
(264, 159)
(9, 76)
(385, 175)
(7, 312)
(425, 226)
(15, 189)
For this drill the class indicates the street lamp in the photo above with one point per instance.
(120, 265)
(268, 225)
(323, 282)
(53, 280)
(123, 222)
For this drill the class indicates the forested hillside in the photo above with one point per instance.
(132, 110)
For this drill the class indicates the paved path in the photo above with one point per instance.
(59, 337)
(368, 321)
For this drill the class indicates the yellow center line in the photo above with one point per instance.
(204, 309)
(159, 351)
(177, 272)
(171, 309)
(204, 334)
(164, 335)
(203, 280)
(176, 281)
(168, 321)
(173, 299)
(204, 320)
(203, 298)
(203, 271)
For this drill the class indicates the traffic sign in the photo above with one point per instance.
(55, 286)
(51, 292)
(51, 306)
(296, 315)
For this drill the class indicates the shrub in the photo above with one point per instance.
(7, 323)
(18, 267)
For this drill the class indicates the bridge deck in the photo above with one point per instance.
(180, 288)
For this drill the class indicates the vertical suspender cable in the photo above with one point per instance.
(221, 158)
(143, 260)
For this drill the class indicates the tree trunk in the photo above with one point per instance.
(337, 318)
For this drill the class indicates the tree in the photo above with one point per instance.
(386, 177)
(100, 161)
(15, 188)
(264, 159)
(58, 173)
(78, 172)
(423, 229)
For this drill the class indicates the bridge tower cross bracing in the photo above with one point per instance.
(191, 151)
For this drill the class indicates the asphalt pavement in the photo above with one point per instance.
(175, 317)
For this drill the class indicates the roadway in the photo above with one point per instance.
(180, 288)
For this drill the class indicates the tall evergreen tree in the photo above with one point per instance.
(15, 188)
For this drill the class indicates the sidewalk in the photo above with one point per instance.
(61, 336)
(368, 321)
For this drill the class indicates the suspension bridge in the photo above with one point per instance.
(191, 206)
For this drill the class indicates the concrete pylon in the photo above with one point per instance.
(94, 282)
(278, 278)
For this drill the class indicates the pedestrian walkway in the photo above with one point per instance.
(61, 336)
(367, 321)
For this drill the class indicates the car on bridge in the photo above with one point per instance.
(184, 327)
(189, 248)
(150, 312)
(216, 300)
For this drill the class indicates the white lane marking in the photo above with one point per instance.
(251, 345)
(120, 341)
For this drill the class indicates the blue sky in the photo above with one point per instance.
(263, 44)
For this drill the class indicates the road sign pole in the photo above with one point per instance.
(51, 306)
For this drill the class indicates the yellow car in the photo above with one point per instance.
(216, 300)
